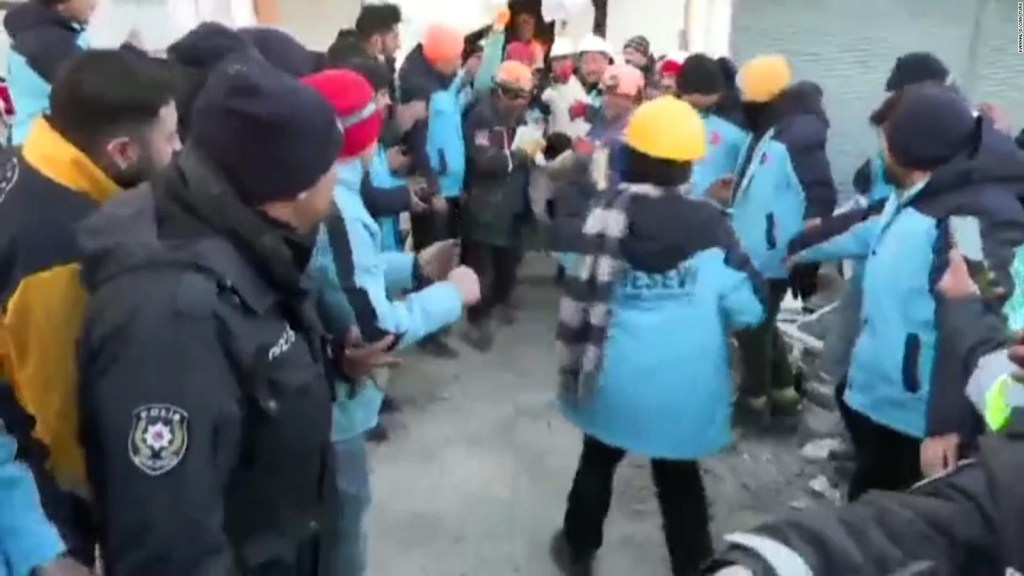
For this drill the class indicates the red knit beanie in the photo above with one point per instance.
(355, 105)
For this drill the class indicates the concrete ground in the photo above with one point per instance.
(474, 478)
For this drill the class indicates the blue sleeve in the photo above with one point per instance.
(363, 276)
(47, 49)
(854, 243)
(744, 297)
(805, 141)
(490, 60)
(399, 270)
(381, 202)
(28, 539)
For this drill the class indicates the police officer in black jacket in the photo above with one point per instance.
(205, 402)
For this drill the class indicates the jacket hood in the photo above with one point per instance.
(120, 236)
(803, 98)
(415, 70)
(32, 15)
(994, 160)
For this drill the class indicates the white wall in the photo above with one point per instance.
(705, 24)
(661, 21)
(316, 22)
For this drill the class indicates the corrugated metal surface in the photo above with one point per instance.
(849, 47)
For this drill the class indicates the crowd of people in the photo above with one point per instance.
(205, 275)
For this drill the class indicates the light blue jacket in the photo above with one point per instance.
(725, 142)
(29, 73)
(768, 205)
(666, 392)
(28, 539)
(896, 377)
(354, 272)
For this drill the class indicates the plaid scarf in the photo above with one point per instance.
(584, 311)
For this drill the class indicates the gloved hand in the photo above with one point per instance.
(578, 109)
(803, 281)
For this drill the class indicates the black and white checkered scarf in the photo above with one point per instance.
(584, 311)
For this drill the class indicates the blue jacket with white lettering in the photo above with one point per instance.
(895, 376)
(665, 389)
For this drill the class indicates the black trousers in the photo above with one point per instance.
(681, 496)
(430, 226)
(884, 458)
(497, 267)
(763, 356)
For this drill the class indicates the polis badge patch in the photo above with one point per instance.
(158, 438)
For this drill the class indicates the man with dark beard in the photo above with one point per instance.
(112, 121)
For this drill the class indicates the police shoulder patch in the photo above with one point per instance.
(159, 437)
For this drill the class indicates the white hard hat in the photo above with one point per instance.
(561, 47)
(594, 43)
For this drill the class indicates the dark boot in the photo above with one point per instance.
(753, 413)
(567, 562)
(437, 346)
(479, 335)
(389, 405)
(508, 314)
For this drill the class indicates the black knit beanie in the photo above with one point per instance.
(700, 74)
(931, 126)
(281, 49)
(915, 68)
(270, 136)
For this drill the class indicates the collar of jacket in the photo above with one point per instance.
(57, 159)
(201, 191)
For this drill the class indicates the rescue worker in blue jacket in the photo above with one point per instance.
(356, 277)
(437, 150)
(700, 83)
(965, 522)
(44, 35)
(874, 187)
(953, 171)
(783, 179)
(657, 259)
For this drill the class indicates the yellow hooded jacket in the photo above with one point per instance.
(46, 189)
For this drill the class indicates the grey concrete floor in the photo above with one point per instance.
(474, 478)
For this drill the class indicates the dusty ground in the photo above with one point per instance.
(473, 482)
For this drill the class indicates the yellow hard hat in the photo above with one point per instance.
(666, 128)
(763, 78)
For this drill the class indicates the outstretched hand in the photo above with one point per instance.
(360, 359)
